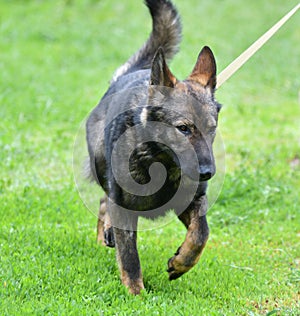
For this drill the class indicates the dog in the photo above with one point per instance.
(150, 147)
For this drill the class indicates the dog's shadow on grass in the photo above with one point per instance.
(194, 283)
(171, 289)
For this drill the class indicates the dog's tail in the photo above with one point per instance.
(166, 33)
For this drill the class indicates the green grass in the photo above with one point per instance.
(56, 58)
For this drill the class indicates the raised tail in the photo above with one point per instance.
(166, 33)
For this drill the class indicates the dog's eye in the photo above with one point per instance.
(184, 129)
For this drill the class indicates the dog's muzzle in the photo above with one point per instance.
(206, 173)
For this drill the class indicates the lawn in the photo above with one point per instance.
(56, 58)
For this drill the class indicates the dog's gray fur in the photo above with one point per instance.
(144, 90)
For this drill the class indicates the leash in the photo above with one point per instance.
(250, 51)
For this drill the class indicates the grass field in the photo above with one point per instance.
(56, 58)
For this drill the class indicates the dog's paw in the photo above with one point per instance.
(109, 238)
(176, 268)
(134, 286)
(179, 264)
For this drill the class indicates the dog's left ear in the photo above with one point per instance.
(205, 69)
(161, 75)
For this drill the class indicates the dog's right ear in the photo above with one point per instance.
(160, 72)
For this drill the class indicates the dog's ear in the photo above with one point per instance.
(205, 69)
(160, 72)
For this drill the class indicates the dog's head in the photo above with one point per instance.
(189, 109)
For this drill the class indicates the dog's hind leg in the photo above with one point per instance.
(188, 254)
(127, 254)
(105, 234)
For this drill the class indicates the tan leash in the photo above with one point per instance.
(239, 61)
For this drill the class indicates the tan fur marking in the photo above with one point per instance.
(134, 286)
(104, 222)
(181, 86)
(189, 254)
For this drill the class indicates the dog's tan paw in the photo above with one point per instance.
(134, 286)
(177, 267)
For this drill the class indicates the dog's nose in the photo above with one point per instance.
(205, 176)
(205, 173)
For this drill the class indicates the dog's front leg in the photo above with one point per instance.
(188, 254)
(128, 260)
(127, 255)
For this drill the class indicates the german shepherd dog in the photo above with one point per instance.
(150, 147)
